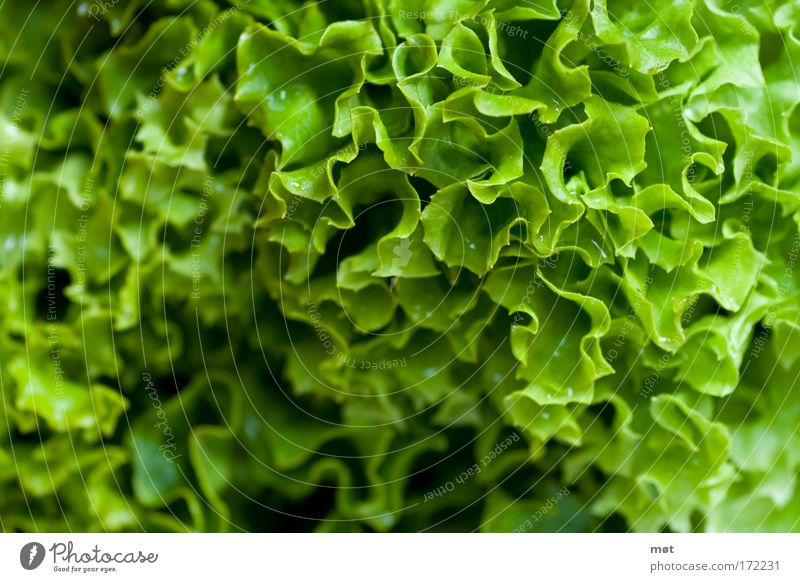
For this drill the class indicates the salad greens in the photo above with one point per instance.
(400, 265)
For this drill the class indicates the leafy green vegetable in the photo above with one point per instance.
(400, 265)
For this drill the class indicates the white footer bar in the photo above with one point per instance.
(400, 557)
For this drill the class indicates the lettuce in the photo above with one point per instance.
(400, 265)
